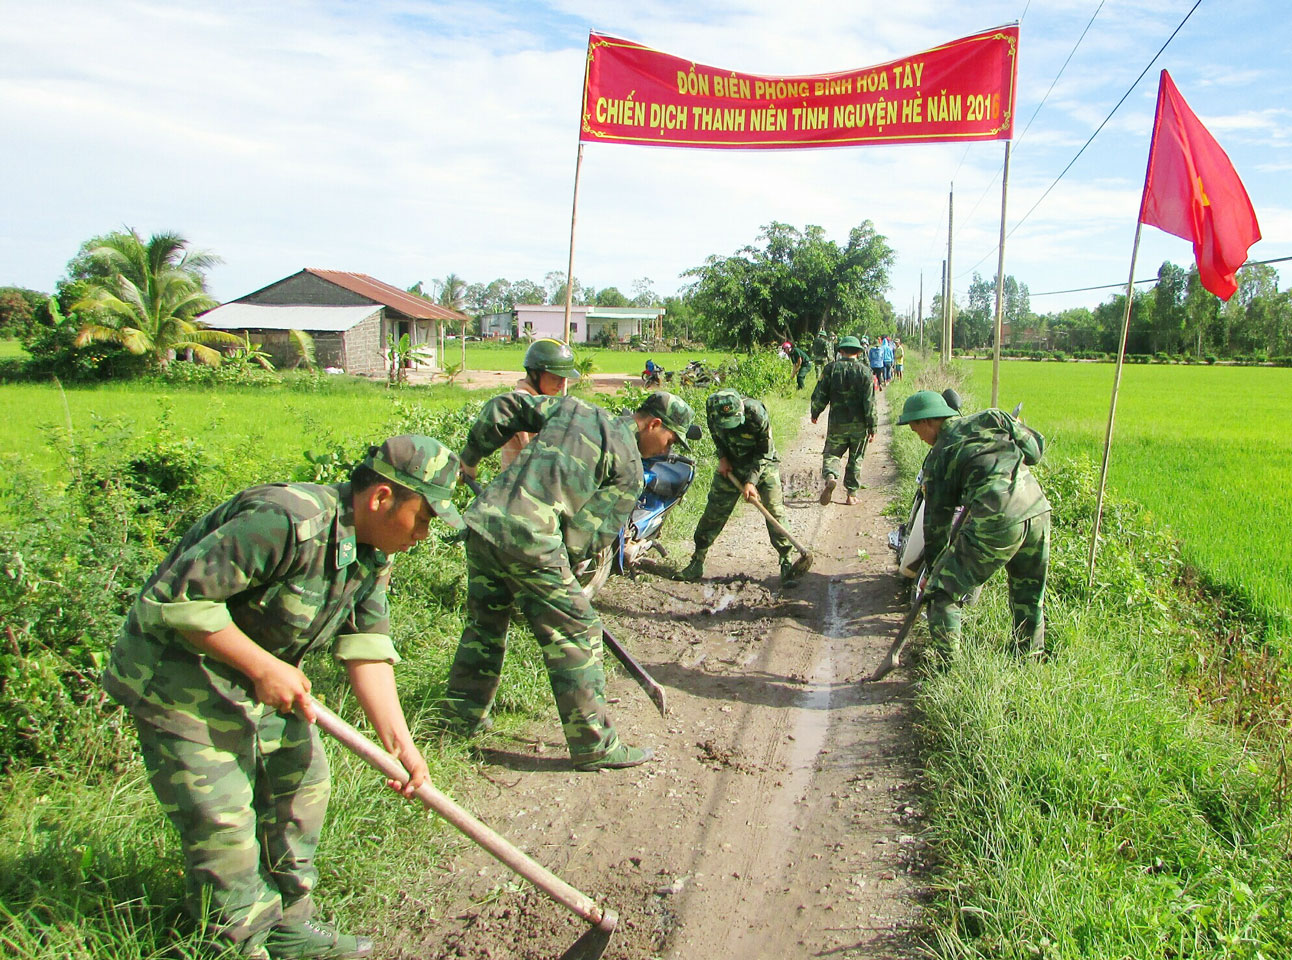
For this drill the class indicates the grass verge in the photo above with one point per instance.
(1088, 806)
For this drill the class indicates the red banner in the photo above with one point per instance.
(962, 90)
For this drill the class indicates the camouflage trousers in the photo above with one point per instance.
(723, 497)
(841, 441)
(248, 821)
(569, 634)
(1022, 547)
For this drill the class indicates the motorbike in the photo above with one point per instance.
(667, 478)
(697, 374)
(651, 378)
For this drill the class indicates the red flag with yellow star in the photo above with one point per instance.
(1192, 191)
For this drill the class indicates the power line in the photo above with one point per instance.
(1101, 126)
(1117, 286)
(1098, 129)
(1019, 140)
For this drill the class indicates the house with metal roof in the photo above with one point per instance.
(351, 316)
(588, 324)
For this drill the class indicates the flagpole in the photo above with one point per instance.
(1112, 411)
(569, 273)
(1000, 283)
(574, 206)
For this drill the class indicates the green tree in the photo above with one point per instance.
(1202, 315)
(18, 307)
(793, 284)
(1167, 321)
(148, 296)
(610, 297)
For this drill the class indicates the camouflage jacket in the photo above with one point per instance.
(281, 562)
(749, 446)
(566, 494)
(981, 461)
(820, 349)
(848, 390)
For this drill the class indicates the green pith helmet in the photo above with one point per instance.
(925, 405)
(551, 356)
(423, 465)
(726, 409)
(849, 343)
(675, 413)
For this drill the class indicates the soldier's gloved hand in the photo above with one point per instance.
(284, 688)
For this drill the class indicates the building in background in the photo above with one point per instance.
(351, 317)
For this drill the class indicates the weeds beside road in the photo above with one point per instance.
(1089, 806)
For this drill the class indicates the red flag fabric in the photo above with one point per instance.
(1192, 191)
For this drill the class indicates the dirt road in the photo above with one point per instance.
(779, 819)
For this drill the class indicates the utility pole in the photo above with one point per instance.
(943, 318)
(949, 319)
(921, 313)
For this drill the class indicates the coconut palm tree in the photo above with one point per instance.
(150, 297)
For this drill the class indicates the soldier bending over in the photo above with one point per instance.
(208, 666)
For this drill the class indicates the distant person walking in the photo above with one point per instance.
(898, 354)
(886, 354)
(875, 356)
(847, 388)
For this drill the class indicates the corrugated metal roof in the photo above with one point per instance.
(406, 303)
(256, 316)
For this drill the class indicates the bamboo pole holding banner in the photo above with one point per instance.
(1000, 283)
(1112, 411)
(574, 212)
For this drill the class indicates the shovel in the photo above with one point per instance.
(591, 945)
(804, 563)
(893, 658)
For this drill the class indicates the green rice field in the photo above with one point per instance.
(1205, 449)
(270, 425)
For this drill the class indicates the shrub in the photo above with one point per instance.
(1212, 358)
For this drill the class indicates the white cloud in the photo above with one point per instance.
(410, 139)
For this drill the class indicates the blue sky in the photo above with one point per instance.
(410, 139)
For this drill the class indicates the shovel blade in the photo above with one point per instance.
(592, 945)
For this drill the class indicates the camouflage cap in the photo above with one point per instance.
(726, 408)
(675, 413)
(423, 465)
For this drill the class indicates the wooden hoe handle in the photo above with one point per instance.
(479, 833)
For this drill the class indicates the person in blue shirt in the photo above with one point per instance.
(875, 355)
(886, 354)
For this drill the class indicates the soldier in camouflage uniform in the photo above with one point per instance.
(560, 502)
(208, 666)
(847, 389)
(820, 352)
(742, 435)
(981, 462)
